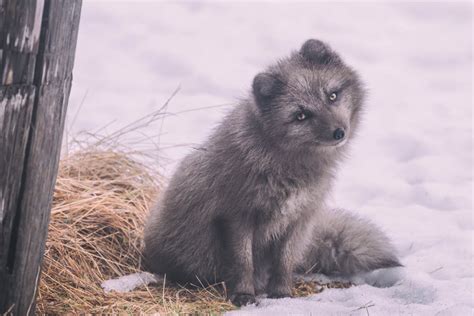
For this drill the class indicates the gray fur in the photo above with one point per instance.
(242, 208)
(345, 244)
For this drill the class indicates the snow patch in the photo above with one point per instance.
(129, 282)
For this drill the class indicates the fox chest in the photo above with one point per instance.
(296, 207)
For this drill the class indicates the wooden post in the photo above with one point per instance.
(37, 46)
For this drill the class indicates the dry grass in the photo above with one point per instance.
(304, 288)
(99, 207)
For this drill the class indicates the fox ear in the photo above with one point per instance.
(315, 51)
(266, 87)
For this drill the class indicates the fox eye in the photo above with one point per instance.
(302, 115)
(333, 97)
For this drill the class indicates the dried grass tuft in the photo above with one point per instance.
(99, 206)
(304, 288)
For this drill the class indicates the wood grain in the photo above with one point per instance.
(38, 41)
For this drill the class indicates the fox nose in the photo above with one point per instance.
(338, 134)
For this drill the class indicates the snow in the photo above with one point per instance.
(398, 291)
(129, 282)
(410, 169)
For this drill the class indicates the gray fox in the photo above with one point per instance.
(248, 207)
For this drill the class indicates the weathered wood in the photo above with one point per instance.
(20, 40)
(15, 117)
(37, 44)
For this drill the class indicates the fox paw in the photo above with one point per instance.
(279, 295)
(279, 292)
(242, 299)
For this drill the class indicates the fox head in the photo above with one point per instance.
(311, 99)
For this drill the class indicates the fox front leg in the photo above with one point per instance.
(238, 266)
(283, 262)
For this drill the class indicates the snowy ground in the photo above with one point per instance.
(411, 167)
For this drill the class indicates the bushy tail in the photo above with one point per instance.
(345, 244)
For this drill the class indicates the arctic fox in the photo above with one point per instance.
(248, 208)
